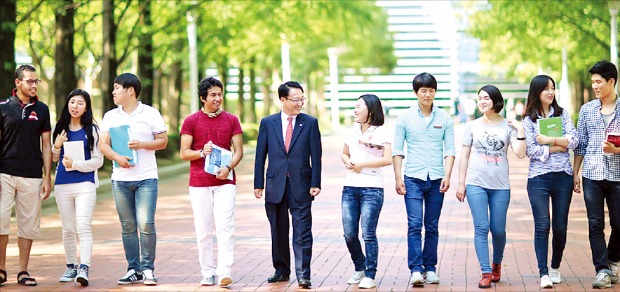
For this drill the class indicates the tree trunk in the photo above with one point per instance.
(241, 93)
(177, 75)
(64, 75)
(109, 63)
(253, 90)
(145, 53)
(8, 14)
(222, 68)
(267, 80)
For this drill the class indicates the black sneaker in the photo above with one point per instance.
(131, 278)
(70, 273)
(82, 276)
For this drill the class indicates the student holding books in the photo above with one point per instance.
(206, 138)
(601, 171)
(483, 178)
(75, 149)
(134, 185)
(549, 133)
(367, 148)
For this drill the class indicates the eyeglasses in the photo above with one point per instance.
(301, 99)
(32, 81)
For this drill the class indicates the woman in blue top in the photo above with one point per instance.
(76, 181)
(550, 175)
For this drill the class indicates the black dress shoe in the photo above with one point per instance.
(304, 283)
(277, 278)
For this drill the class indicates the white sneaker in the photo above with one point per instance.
(356, 277)
(225, 281)
(545, 282)
(431, 278)
(149, 278)
(416, 279)
(602, 281)
(613, 266)
(555, 276)
(367, 283)
(208, 281)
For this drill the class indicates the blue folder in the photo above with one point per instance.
(120, 137)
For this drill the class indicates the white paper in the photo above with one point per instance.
(219, 157)
(74, 150)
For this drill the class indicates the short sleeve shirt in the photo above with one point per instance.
(21, 126)
(366, 146)
(203, 129)
(144, 123)
(488, 160)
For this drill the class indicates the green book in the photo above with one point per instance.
(551, 127)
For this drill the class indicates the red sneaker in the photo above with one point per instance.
(496, 274)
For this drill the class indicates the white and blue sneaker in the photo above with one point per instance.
(69, 274)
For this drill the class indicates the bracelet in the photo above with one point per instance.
(229, 168)
(520, 138)
(54, 150)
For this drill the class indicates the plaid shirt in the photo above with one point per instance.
(591, 132)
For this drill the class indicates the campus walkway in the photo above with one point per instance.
(177, 264)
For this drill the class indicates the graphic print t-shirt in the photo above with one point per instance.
(488, 163)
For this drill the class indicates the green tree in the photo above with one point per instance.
(64, 73)
(521, 38)
(8, 23)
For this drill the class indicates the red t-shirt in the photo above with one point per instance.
(203, 129)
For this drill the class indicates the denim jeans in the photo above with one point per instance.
(557, 186)
(488, 209)
(135, 203)
(595, 193)
(423, 202)
(361, 203)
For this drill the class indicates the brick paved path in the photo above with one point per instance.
(177, 264)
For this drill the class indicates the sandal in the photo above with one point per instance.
(3, 278)
(26, 280)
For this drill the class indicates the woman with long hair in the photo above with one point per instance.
(483, 178)
(550, 175)
(76, 181)
(367, 148)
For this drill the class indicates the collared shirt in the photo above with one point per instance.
(144, 123)
(284, 118)
(427, 143)
(591, 132)
(21, 128)
(363, 147)
(541, 161)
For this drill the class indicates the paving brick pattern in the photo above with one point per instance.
(177, 265)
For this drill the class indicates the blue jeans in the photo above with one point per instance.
(595, 193)
(488, 209)
(423, 202)
(365, 204)
(557, 186)
(135, 203)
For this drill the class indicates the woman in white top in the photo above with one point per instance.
(483, 177)
(367, 148)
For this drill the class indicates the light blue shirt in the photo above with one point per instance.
(427, 142)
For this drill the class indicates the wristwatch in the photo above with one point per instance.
(202, 154)
(229, 168)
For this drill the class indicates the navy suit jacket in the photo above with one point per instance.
(302, 164)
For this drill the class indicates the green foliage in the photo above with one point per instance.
(521, 38)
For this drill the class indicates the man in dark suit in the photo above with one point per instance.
(292, 142)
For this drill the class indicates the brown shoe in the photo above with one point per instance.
(485, 282)
(496, 274)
